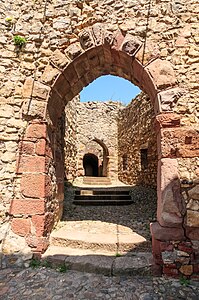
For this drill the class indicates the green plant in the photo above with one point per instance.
(19, 41)
(184, 281)
(35, 263)
(9, 19)
(62, 268)
(46, 264)
(117, 254)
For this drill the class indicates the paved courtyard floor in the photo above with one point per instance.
(44, 283)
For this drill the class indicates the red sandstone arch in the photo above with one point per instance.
(97, 52)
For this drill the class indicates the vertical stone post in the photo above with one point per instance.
(31, 209)
(172, 249)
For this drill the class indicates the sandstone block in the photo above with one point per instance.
(40, 147)
(27, 148)
(49, 74)
(194, 193)
(192, 219)
(31, 164)
(35, 89)
(86, 39)
(162, 73)
(27, 206)
(21, 226)
(118, 40)
(192, 233)
(61, 86)
(74, 51)
(39, 224)
(38, 244)
(168, 120)
(71, 74)
(59, 59)
(166, 234)
(130, 45)
(169, 98)
(170, 202)
(35, 185)
(36, 131)
(81, 65)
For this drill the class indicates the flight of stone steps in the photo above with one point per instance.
(98, 247)
(98, 191)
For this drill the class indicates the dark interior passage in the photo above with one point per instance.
(90, 164)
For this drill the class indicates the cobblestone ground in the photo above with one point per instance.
(50, 284)
(136, 216)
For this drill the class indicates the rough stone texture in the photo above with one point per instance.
(170, 202)
(136, 133)
(84, 40)
(98, 132)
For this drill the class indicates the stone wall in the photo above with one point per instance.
(137, 143)
(97, 121)
(69, 44)
(70, 139)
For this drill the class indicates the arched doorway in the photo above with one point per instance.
(103, 53)
(90, 164)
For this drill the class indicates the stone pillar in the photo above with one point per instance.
(174, 234)
(31, 209)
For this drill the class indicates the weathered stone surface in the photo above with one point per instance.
(21, 226)
(137, 143)
(186, 270)
(192, 233)
(138, 264)
(170, 205)
(179, 142)
(35, 131)
(162, 73)
(192, 219)
(67, 24)
(91, 264)
(35, 185)
(35, 89)
(168, 120)
(31, 164)
(27, 207)
(169, 98)
(166, 234)
(59, 59)
(194, 193)
(49, 74)
(130, 45)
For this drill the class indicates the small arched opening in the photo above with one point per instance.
(91, 165)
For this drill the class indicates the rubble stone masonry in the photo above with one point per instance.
(137, 143)
(153, 44)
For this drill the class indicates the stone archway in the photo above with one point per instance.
(91, 165)
(40, 166)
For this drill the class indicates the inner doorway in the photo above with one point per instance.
(90, 164)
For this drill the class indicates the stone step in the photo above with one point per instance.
(101, 192)
(106, 263)
(96, 180)
(97, 201)
(96, 235)
(102, 197)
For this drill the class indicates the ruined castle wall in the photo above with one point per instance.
(137, 140)
(97, 121)
(55, 37)
(172, 34)
(70, 139)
